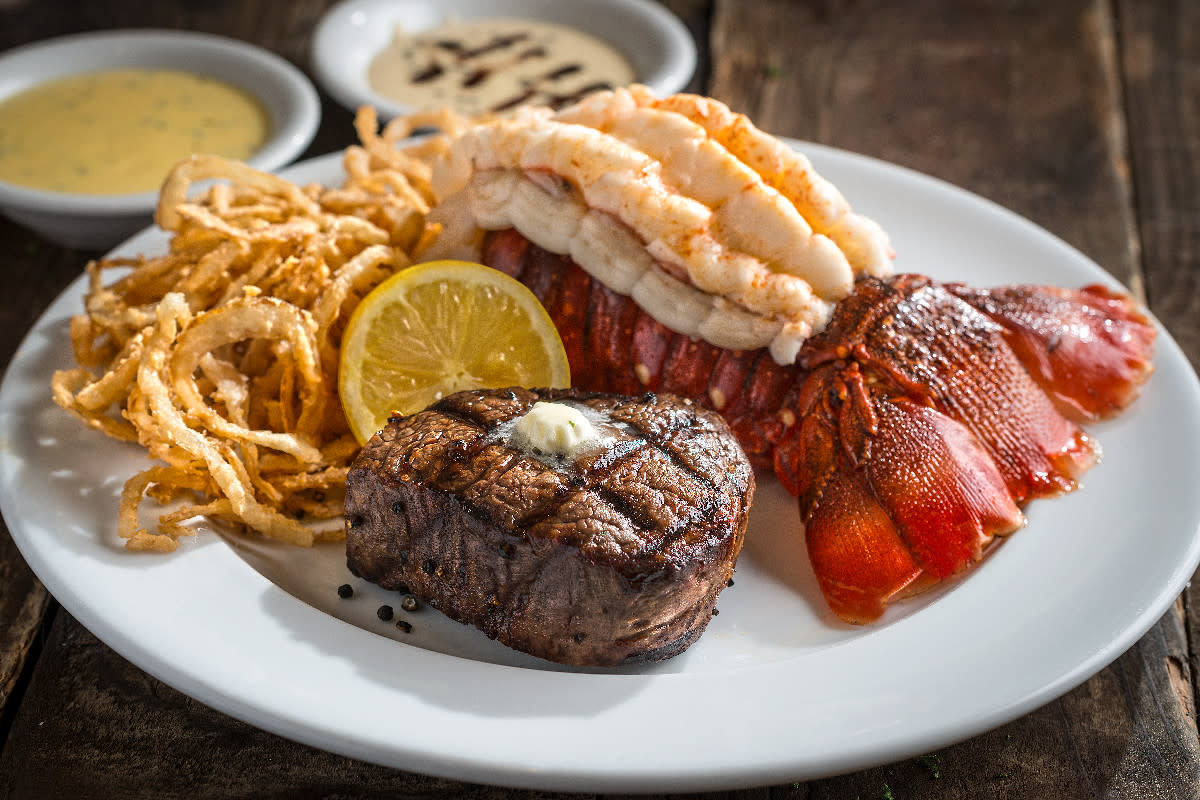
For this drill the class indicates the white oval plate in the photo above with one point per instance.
(351, 33)
(776, 690)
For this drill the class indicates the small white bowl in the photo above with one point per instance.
(100, 221)
(352, 33)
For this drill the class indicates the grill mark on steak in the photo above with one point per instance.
(623, 507)
(615, 559)
(666, 445)
(676, 531)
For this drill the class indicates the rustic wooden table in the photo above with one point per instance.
(1083, 115)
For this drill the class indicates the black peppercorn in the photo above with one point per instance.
(427, 566)
(345, 590)
(404, 625)
(384, 613)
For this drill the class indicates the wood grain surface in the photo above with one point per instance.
(1083, 116)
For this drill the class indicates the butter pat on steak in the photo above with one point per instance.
(609, 553)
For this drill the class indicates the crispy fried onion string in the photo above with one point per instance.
(250, 318)
(220, 356)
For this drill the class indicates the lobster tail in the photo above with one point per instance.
(912, 429)
(894, 495)
(1089, 349)
(966, 372)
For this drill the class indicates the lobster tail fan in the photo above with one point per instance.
(895, 495)
(1089, 349)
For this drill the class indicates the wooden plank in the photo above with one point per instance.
(23, 604)
(1160, 66)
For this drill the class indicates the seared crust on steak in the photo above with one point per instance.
(617, 556)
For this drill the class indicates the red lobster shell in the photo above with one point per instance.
(912, 429)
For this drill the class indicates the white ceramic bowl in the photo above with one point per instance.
(351, 33)
(100, 221)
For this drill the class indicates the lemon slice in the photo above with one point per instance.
(439, 328)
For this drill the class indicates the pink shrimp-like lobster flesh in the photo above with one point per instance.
(912, 429)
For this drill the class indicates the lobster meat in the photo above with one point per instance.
(912, 429)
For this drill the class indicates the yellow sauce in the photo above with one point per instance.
(120, 131)
(480, 65)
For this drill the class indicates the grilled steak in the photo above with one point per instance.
(614, 554)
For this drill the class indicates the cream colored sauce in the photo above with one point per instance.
(120, 131)
(480, 65)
